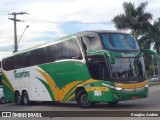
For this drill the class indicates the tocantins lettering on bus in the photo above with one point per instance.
(21, 74)
(127, 55)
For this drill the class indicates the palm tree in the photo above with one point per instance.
(151, 36)
(156, 33)
(146, 39)
(133, 18)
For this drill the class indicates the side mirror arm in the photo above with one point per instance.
(155, 56)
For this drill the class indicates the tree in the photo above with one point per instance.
(156, 35)
(135, 19)
(151, 36)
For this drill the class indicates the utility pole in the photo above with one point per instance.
(15, 27)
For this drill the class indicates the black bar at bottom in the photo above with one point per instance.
(80, 114)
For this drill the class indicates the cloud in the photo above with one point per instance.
(50, 19)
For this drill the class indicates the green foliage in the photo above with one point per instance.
(151, 36)
(133, 18)
(137, 20)
(147, 59)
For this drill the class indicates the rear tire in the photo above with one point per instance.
(25, 98)
(18, 99)
(82, 100)
(3, 100)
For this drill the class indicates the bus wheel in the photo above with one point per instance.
(82, 100)
(25, 98)
(3, 100)
(113, 103)
(18, 99)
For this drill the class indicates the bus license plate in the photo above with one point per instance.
(134, 97)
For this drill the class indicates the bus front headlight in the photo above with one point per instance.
(146, 86)
(118, 88)
(113, 87)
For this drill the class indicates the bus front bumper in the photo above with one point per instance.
(113, 95)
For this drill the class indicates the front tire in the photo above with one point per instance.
(82, 100)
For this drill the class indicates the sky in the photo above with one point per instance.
(51, 19)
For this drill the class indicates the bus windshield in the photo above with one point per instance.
(117, 41)
(128, 69)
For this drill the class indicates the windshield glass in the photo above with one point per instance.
(116, 41)
(128, 69)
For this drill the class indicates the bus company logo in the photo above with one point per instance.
(21, 74)
(127, 55)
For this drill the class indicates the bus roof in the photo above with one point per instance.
(101, 31)
(52, 42)
(64, 39)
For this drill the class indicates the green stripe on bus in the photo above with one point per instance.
(4, 77)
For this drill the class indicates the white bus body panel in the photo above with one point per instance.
(36, 90)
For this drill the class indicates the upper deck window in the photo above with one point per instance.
(113, 41)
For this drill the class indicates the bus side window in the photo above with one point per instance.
(53, 52)
(91, 43)
(74, 49)
(95, 43)
(25, 59)
(64, 50)
(71, 50)
(40, 56)
(11, 63)
(18, 62)
(4, 64)
(86, 43)
(57, 52)
(32, 58)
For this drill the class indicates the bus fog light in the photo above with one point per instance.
(97, 93)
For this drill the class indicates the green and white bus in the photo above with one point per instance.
(87, 67)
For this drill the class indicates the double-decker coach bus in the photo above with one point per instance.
(87, 67)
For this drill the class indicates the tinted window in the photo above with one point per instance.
(8, 63)
(119, 42)
(40, 56)
(18, 62)
(91, 43)
(128, 69)
(71, 50)
(67, 49)
(25, 59)
(4, 65)
(32, 58)
(54, 52)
